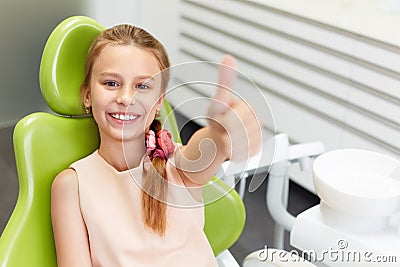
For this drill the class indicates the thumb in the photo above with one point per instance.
(224, 95)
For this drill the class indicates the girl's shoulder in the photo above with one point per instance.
(65, 179)
(64, 188)
(68, 178)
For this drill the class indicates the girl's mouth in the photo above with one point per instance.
(123, 117)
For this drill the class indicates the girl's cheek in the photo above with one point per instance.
(151, 105)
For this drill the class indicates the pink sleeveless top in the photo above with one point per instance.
(111, 208)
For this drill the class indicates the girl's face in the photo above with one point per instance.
(124, 91)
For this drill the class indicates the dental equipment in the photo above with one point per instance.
(276, 157)
(358, 219)
(357, 222)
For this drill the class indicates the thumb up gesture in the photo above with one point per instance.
(233, 117)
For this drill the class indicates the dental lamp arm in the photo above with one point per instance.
(276, 183)
(302, 153)
(275, 200)
(277, 166)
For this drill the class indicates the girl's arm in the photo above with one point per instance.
(234, 133)
(69, 229)
(198, 161)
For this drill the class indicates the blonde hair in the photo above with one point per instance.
(154, 190)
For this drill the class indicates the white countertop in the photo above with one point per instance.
(376, 19)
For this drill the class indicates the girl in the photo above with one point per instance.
(101, 215)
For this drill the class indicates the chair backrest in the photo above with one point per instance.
(45, 144)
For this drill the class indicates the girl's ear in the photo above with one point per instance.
(160, 102)
(87, 101)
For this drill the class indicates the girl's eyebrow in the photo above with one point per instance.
(145, 77)
(113, 74)
(116, 75)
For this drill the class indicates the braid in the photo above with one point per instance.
(154, 192)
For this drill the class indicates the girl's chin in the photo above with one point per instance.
(131, 136)
(122, 134)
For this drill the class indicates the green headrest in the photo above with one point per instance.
(63, 63)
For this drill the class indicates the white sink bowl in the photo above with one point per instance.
(358, 182)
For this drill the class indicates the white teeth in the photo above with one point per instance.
(123, 117)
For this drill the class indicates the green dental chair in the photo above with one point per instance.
(46, 143)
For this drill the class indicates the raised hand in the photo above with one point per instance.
(230, 114)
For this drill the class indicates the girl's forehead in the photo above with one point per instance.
(126, 57)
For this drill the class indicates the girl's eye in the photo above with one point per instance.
(111, 84)
(142, 86)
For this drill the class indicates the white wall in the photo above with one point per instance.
(321, 83)
(161, 18)
(110, 13)
(24, 28)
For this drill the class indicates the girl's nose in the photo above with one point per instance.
(126, 96)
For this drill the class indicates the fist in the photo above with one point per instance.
(233, 117)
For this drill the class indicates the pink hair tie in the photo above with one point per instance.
(150, 142)
(158, 153)
(161, 147)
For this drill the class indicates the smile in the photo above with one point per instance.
(123, 117)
